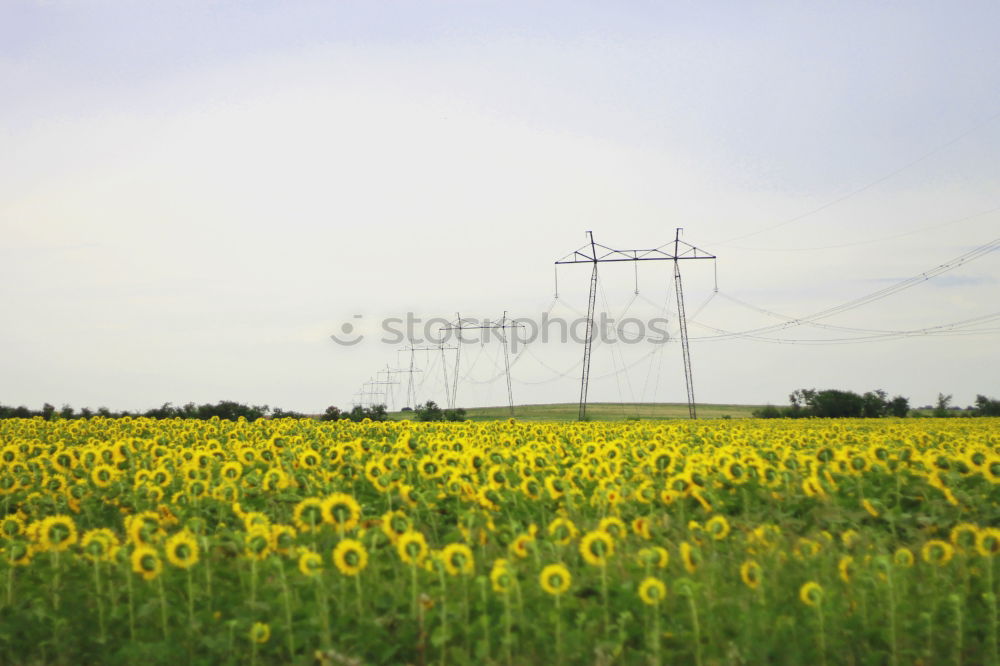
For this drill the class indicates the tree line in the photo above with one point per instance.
(835, 403)
(231, 411)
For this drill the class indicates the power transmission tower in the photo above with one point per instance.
(595, 253)
(387, 396)
(407, 371)
(444, 367)
(367, 394)
(499, 325)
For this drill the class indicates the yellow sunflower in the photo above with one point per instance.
(342, 511)
(562, 530)
(656, 556)
(182, 550)
(690, 557)
(308, 514)
(652, 591)
(260, 632)
(811, 593)
(988, 542)
(751, 574)
(350, 557)
(963, 537)
(903, 557)
(412, 548)
(596, 547)
(310, 563)
(458, 559)
(146, 562)
(555, 579)
(718, 527)
(937, 552)
(613, 526)
(57, 533)
(99, 544)
(500, 576)
(845, 568)
(103, 476)
(257, 542)
(519, 546)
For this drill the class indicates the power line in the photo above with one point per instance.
(891, 290)
(868, 186)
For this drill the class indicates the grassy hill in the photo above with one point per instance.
(603, 411)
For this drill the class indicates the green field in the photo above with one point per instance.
(604, 411)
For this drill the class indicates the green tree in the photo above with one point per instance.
(943, 401)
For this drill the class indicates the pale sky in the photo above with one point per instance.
(195, 195)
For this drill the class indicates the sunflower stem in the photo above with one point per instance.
(444, 613)
(190, 601)
(100, 601)
(604, 597)
(253, 582)
(131, 606)
(358, 595)
(324, 612)
(656, 635)
(893, 641)
(956, 602)
(486, 619)
(10, 582)
(507, 641)
(696, 626)
(163, 605)
(991, 600)
(288, 610)
(559, 654)
(413, 589)
(822, 634)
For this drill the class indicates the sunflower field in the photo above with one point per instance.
(289, 541)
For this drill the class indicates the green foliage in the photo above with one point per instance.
(430, 411)
(987, 406)
(833, 403)
(943, 403)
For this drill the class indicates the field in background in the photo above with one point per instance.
(604, 411)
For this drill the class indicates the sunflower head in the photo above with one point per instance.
(562, 530)
(412, 547)
(57, 533)
(988, 541)
(811, 594)
(597, 547)
(182, 550)
(652, 591)
(350, 557)
(718, 527)
(308, 514)
(342, 511)
(555, 579)
(146, 562)
(310, 563)
(260, 632)
(257, 542)
(937, 552)
(458, 559)
(751, 574)
(501, 577)
(691, 557)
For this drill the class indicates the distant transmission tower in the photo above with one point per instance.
(499, 325)
(444, 368)
(387, 395)
(595, 253)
